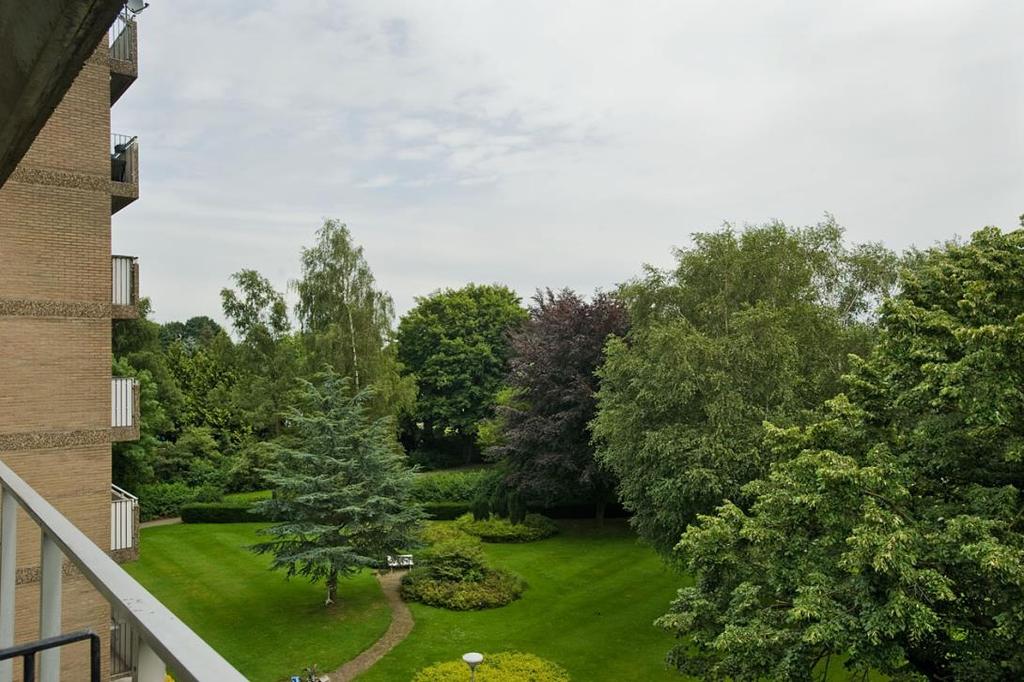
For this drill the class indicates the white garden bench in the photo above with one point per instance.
(400, 561)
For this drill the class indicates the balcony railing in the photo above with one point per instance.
(124, 171)
(125, 287)
(163, 641)
(124, 409)
(124, 524)
(122, 37)
(124, 54)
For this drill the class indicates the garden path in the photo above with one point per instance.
(401, 625)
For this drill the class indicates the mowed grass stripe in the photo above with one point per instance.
(269, 628)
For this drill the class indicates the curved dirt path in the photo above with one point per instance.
(401, 626)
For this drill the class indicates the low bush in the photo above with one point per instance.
(446, 511)
(495, 588)
(434, 533)
(497, 529)
(163, 500)
(221, 512)
(447, 486)
(456, 560)
(453, 573)
(208, 492)
(508, 666)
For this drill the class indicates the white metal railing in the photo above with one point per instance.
(121, 33)
(122, 402)
(122, 518)
(164, 642)
(123, 280)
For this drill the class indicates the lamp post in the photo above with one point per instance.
(472, 659)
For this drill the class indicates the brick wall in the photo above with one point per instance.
(55, 340)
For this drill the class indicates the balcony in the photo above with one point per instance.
(124, 409)
(124, 54)
(159, 642)
(124, 275)
(124, 171)
(124, 525)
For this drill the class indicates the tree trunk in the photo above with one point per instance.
(352, 336)
(332, 587)
(599, 508)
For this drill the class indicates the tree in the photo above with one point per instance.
(208, 381)
(132, 461)
(455, 343)
(266, 358)
(199, 331)
(546, 440)
(890, 532)
(750, 326)
(137, 342)
(346, 321)
(343, 491)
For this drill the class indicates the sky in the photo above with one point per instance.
(556, 144)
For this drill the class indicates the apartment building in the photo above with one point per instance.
(60, 408)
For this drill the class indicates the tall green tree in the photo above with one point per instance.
(346, 320)
(199, 331)
(137, 342)
(455, 343)
(891, 532)
(546, 442)
(750, 326)
(132, 461)
(343, 491)
(266, 359)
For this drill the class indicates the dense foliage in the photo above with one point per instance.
(545, 440)
(212, 407)
(750, 326)
(496, 529)
(453, 573)
(346, 320)
(891, 532)
(448, 486)
(507, 666)
(342, 489)
(455, 343)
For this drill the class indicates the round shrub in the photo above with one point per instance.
(455, 560)
(508, 666)
(494, 588)
(497, 529)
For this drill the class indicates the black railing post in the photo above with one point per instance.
(28, 652)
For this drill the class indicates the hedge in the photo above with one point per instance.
(447, 486)
(220, 512)
(446, 511)
(237, 511)
(497, 529)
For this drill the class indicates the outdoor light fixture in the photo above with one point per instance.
(136, 6)
(472, 659)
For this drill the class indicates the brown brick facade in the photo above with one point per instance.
(55, 340)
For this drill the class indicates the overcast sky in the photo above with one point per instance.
(556, 143)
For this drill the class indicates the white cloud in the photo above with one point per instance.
(551, 144)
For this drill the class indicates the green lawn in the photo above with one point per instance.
(593, 594)
(269, 628)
